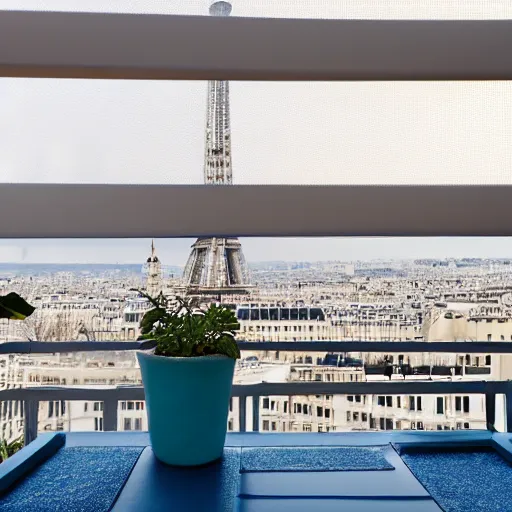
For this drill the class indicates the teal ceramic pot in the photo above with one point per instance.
(187, 401)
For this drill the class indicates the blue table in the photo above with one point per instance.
(381, 471)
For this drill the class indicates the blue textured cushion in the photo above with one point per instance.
(339, 458)
(79, 479)
(479, 480)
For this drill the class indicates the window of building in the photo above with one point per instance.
(349, 416)
(266, 403)
(382, 425)
(266, 425)
(319, 412)
(306, 427)
(318, 377)
(50, 409)
(350, 398)
(381, 400)
(466, 425)
(440, 405)
(285, 406)
(398, 401)
(356, 416)
(138, 424)
(255, 314)
(389, 401)
(488, 359)
(358, 398)
(327, 413)
(465, 404)
(274, 425)
(127, 424)
(412, 403)
(230, 425)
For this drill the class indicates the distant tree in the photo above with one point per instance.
(61, 326)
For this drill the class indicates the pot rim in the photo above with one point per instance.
(209, 357)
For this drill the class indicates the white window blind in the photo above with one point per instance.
(102, 45)
(92, 45)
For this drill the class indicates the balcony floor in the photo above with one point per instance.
(264, 472)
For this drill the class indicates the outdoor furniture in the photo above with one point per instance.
(370, 471)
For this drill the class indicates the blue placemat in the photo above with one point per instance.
(78, 479)
(315, 458)
(462, 481)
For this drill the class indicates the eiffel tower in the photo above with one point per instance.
(217, 266)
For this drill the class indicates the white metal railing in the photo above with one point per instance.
(110, 397)
(390, 347)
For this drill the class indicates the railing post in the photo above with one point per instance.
(490, 411)
(242, 409)
(110, 414)
(31, 413)
(508, 408)
(256, 413)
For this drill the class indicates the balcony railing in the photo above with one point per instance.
(110, 397)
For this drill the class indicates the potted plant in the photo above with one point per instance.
(10, 448)
(187, 379)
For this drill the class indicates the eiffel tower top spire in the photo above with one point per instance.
(217, 159)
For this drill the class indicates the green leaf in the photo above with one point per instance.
(14, 307)
(150, 318)
(8, 449)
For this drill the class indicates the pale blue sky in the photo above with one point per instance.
(175, 252)
(78, 131)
